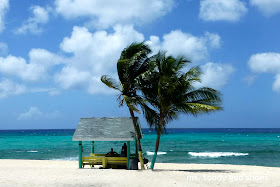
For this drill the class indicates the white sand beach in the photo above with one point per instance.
(66, 173)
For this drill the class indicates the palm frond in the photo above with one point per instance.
(138, 65)
(151, 116)
(132, 63)
(131, 102)
(205, 95)
(122, 71)
(193, 74)
(171, 92)
(121, 103)
(198, 108)
(111, 83)
(181, 62)
(133, 48)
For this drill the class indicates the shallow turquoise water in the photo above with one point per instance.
(214, 146)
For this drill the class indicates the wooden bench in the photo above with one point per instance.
(100, 159)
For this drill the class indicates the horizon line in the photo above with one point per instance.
(166, 128)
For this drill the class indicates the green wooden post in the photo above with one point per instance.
(80, 154)
(92, 147)
(128, 154)
(153, 161)
(136, 147)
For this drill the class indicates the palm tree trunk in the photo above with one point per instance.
(156, 150)
(161, 121)
(137, 139)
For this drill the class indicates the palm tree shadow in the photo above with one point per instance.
(199, 170)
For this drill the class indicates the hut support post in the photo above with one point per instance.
(136, 147)
(80, 154)
(128, 154)
(92, 147)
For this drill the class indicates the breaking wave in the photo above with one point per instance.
(32, 151)
(67, 159)
(216, 154)
(158, 153)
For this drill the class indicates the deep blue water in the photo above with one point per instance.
(214, 146)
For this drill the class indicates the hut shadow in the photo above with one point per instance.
(199, 170)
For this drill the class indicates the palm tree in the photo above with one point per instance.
(170, 91)
(132, 63)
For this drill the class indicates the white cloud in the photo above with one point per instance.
(94, 54)
(4, 6)
(34, 113)
(213, 39)
(155, 43)
(194, 48)
(250, 79)
(71, 77)
(222, 10)
(276, 84)
(3, 49)
(40, 62)
(33, 24)
(8, 88)
(267, 63)
(215, 75)
(267, 7)
(111, 12)
(50, 91)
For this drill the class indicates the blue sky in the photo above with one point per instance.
(53, 53)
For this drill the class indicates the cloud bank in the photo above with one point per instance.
(267, 7)
(222, 10)
(195, 48)
(267, 63)
(33, 24)
(85, 56)
(94, 54)
(34, 113)
(103, 14)
(40, 63)
(215, 75)
(8, 88)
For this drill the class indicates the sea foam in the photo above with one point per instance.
(32, 151)
(67, 158)
(158, 153)
(216, 154)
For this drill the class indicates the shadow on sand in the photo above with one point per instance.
(199, 170)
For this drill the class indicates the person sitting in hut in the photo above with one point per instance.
(124, 150)
(112, 153)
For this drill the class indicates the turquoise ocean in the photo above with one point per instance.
(208, 146)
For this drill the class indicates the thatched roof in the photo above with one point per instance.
(106, 129)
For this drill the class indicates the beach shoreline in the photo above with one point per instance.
(15, 172)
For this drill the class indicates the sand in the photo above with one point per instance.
(66, 173)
